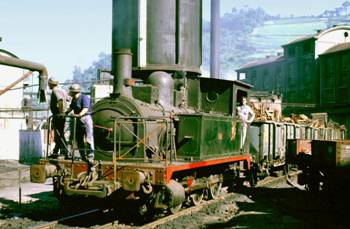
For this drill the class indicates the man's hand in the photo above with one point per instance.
(51, 136)
(61, 115)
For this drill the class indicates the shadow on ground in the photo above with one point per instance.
(289, 208)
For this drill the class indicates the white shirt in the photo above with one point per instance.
(245, 113)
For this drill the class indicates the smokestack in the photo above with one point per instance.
(122, 69)
(215, 39)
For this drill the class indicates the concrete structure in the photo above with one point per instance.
(9, 127)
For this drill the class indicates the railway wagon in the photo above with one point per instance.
(328, 166)
(274, 144)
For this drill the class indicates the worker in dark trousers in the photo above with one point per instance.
(58, 104)
(81, 107)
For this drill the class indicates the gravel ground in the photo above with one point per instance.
(281, 206)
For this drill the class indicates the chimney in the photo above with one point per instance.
(122, 66)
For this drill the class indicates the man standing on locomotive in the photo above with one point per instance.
(81, 107)
(246, 115)
(58, 103)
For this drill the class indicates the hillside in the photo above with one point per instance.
(268, 38)
(236, 28)
(246, 34)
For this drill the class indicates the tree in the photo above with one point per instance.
(88, 77)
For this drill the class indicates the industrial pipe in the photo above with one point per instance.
(7, 88)
(32, 66)
(215, 39)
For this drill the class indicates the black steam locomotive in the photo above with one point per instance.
(165, 135)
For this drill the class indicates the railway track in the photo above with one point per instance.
(64, 219)
(264, 183)
(270, 181)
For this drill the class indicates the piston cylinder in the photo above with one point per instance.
(175, 193)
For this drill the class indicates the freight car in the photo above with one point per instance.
(325, 164)
(274, 145)
(165, 135)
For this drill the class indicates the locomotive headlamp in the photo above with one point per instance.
(129, 82)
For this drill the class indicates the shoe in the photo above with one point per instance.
(60, 157)
(53, 156)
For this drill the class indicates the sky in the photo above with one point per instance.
(62, 34)
(275, 7)
(58, 34)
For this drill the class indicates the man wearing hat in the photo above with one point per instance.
(81, 107)
(58, 103)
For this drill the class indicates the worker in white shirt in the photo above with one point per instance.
(246, 115)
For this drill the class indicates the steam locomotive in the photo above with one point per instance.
(165, 134)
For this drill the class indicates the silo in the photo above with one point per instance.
(161, 34)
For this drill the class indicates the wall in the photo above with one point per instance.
(9, 128)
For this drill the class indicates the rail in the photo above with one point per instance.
(188, 211)
(264, 183)
(61, 220)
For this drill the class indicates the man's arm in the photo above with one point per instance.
(60, 106)
(252, 115)
(82, 112)
(69, 110)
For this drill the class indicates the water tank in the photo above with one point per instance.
(162, 35)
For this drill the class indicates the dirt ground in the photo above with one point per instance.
(9, 171)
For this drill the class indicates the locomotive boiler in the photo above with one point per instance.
(165, 135)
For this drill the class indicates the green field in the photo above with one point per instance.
(268, 39)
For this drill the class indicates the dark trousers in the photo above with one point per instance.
(58, 124)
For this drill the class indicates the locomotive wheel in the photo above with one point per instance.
(214, 191)
(175, 209)
(197, 198)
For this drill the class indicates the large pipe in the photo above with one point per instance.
(215, 39)
(8, 87)
(122, 69)
(32, 66)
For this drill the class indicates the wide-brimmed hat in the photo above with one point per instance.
(75, 88)
(53, 81)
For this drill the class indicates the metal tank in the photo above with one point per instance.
(162, 35)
